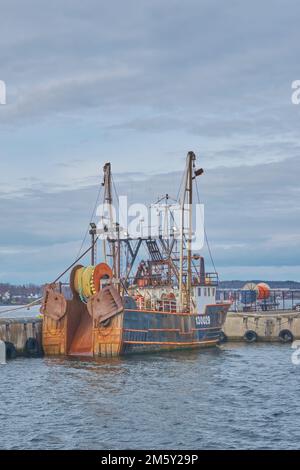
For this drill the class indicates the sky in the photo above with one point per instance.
(140, 83)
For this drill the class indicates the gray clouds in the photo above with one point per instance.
(163, 55)
(140, 83)
(252, 217)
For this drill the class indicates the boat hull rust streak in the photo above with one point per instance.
(134, 331)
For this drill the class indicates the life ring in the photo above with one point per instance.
(250, 336)
(32, 348)
(222, 337)
(286, 336)
(11, 352)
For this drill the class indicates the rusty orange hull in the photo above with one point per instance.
(131, 331)
(80, 337)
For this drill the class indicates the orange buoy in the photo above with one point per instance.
(263, 291)
(102, 271)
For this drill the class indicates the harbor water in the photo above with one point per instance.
(237, 396)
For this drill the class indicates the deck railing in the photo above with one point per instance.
(156, 305)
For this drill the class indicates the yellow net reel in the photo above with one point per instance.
(86, 280)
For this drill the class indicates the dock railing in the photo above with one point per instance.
(279, 299)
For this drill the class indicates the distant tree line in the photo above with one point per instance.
(24, 293)
(19, 294)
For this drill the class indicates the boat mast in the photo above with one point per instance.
(185, 285)
(191, 160)
(93, 233)
(108, 199)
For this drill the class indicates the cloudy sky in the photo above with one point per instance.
(139, 83)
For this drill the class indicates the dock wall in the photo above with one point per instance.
(267, 326)
(23, 335)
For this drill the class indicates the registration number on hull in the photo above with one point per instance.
(203, 320)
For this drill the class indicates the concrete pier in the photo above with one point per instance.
(22, 333)
(267, 326)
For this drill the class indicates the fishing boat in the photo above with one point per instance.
(148, 293)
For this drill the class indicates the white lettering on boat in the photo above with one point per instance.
(203, 320)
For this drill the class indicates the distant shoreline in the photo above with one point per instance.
(12, 294)
(237, 284)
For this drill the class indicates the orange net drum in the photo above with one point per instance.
(86, 281)
(102, 271)
(263, 291)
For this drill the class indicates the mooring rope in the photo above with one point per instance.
(205, 234)
(22, 307)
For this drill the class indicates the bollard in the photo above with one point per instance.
(2, 353)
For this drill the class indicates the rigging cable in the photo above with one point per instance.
(115, 190)
(180, 187)
(205, 233)
(76, 261)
